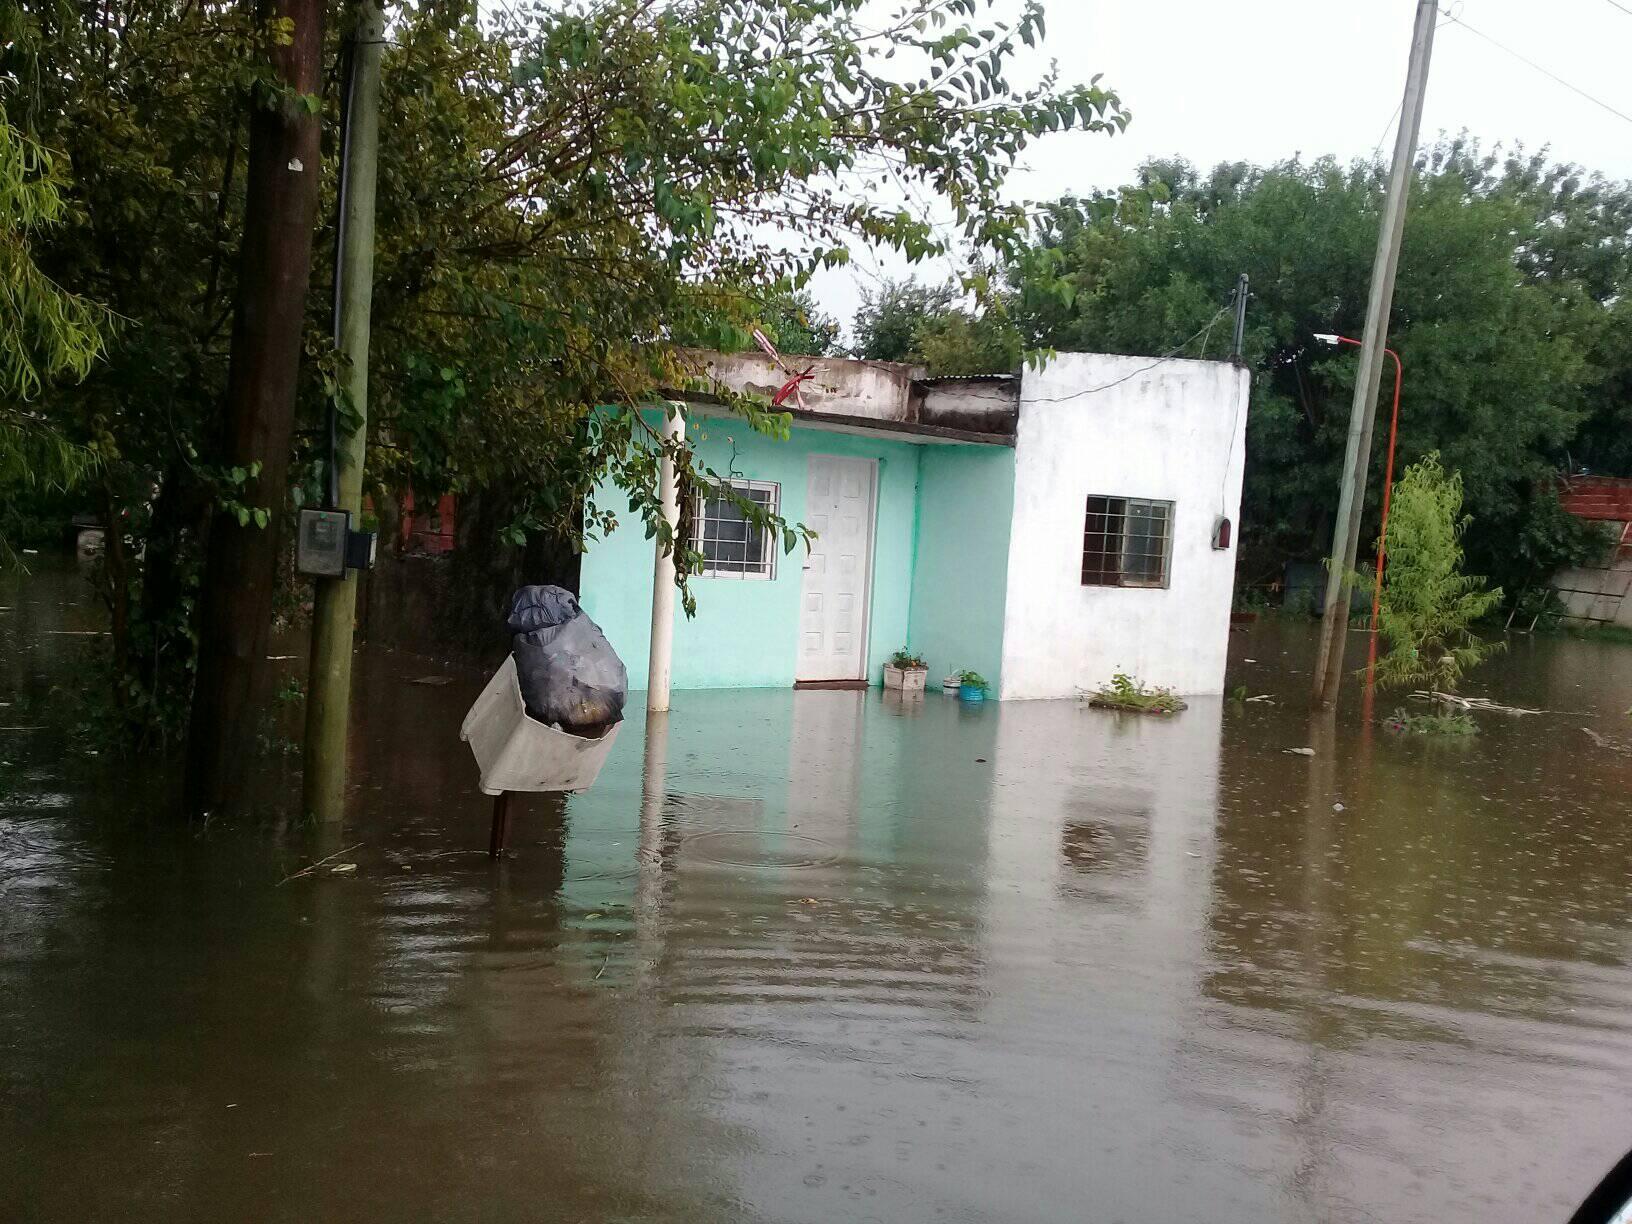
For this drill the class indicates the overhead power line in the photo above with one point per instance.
(1172, 354)
(1546, 72)
(1619, 5)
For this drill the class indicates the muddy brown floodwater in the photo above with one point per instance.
(824, 957)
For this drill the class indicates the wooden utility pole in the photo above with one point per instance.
(275, 259)
(1357, 458)
(328, 696)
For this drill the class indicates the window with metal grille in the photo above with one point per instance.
(1127, 542)
(733, 547)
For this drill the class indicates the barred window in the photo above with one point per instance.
(732, 547)
(1127, 542)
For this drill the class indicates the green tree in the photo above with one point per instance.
(1429, 606)
(564, 193)
(1509, 312)
(46, 333)
(789, 318)
(796, 325)
(930, 325)
(888, 323)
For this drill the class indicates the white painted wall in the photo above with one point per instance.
(1174, 431)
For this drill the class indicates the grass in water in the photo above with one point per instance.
(1126, 693)
(1431, 724)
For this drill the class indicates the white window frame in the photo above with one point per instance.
(1126, 580)
(699, 507)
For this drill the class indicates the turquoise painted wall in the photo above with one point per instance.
(745, 633)
(961, 571)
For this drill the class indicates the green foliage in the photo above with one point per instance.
(905, 320)
(796, 326)
(888, 322)
(567, 196)
(1432, 724)
(1126, 693)
(1429, 605)
(789, 318)
(907, 660)
(1544, 538)
(1512, 314)
(46, 333)
(972, 679)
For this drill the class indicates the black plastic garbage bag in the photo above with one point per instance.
(568, 672)
(533, 608)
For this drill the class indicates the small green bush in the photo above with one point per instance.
(1432, 724)
(1429, 605)
(1126, 693)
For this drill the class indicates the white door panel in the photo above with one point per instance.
(833, 611)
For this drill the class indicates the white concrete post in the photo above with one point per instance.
(659, 665)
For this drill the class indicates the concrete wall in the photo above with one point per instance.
(745, 632)
(1600, 594)
(984, 404)
(1175, 431)
(838, 385)
(960, 574)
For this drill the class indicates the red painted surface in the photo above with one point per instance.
(1599, 498)
(428, 530)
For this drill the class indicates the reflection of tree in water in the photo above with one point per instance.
(1448, 884)
(1459, 905)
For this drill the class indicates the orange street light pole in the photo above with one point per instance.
(1388, 488)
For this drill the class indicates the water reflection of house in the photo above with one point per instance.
(1045, 529)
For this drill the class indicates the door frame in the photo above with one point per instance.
(866, 630)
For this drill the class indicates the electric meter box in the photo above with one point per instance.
(360, 549)
(322, 543)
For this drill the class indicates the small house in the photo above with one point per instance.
(1046, 529)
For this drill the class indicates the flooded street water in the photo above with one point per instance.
(826, 957)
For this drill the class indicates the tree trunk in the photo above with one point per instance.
(274, 273)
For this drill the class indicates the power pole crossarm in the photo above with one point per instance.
(1357, 457)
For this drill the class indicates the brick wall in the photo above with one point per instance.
(1599, 594)
(1600, 498)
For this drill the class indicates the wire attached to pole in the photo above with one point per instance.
(342, 195)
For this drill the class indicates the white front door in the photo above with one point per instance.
(833, 600)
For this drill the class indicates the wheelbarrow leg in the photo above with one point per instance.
(499, 838)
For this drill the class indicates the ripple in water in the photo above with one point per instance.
(753, 848)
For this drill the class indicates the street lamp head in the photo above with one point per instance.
(1327, 338)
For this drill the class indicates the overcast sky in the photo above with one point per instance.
(1260, 80)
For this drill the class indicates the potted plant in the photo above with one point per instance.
(906, 671)
(971, 686)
